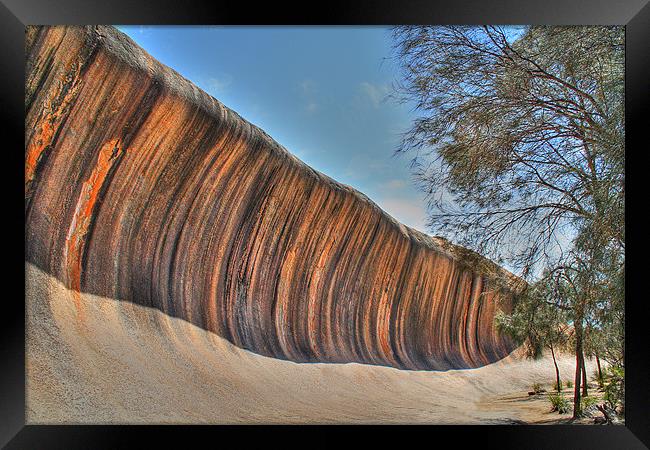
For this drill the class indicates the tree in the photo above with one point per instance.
(521, 134)
(538, 322)
(520, 148)
(599, 278)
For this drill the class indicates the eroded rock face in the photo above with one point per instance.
(141, 187)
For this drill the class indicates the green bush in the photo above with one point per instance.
(614, 386)
(569, 384)
(586, 402)
(559, 403)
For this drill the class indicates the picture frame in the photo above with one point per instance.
(634, 14)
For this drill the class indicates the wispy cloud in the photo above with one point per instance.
(308, 87)
(309, 91)
(410, 212)
(312, 107)
(219, 83)
(363, 166)
(375, 93)
(143, 31)
(394, 184)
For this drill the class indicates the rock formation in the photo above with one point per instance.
(141, 187)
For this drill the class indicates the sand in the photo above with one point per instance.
(98, 360)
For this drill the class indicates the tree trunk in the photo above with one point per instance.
(601, 408)
(558, 384)
(584, 377)
(600, 372)
(578, 377)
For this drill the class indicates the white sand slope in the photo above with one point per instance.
(97, 360)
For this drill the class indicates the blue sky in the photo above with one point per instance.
(319, 91)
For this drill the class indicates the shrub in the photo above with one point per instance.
(587, 402)
(614, 387)
(569, 384)
(559, 403)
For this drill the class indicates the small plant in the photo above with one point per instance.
(614, 387)
(588, 402)
(559, 403)
(538, 389)
(569, 384)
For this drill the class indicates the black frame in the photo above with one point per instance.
(16, 14)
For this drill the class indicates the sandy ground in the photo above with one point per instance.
(97, 360)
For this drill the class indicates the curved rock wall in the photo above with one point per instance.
(141, 187)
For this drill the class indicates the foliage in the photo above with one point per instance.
(614, 387)
(559, 403)
(588, 402)
(538, 322)
(521, 133)
(538, 388)
(569, 384)
(519, 147)
(535, 320)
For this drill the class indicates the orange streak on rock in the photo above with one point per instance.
(83, 213)
(50, 123)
